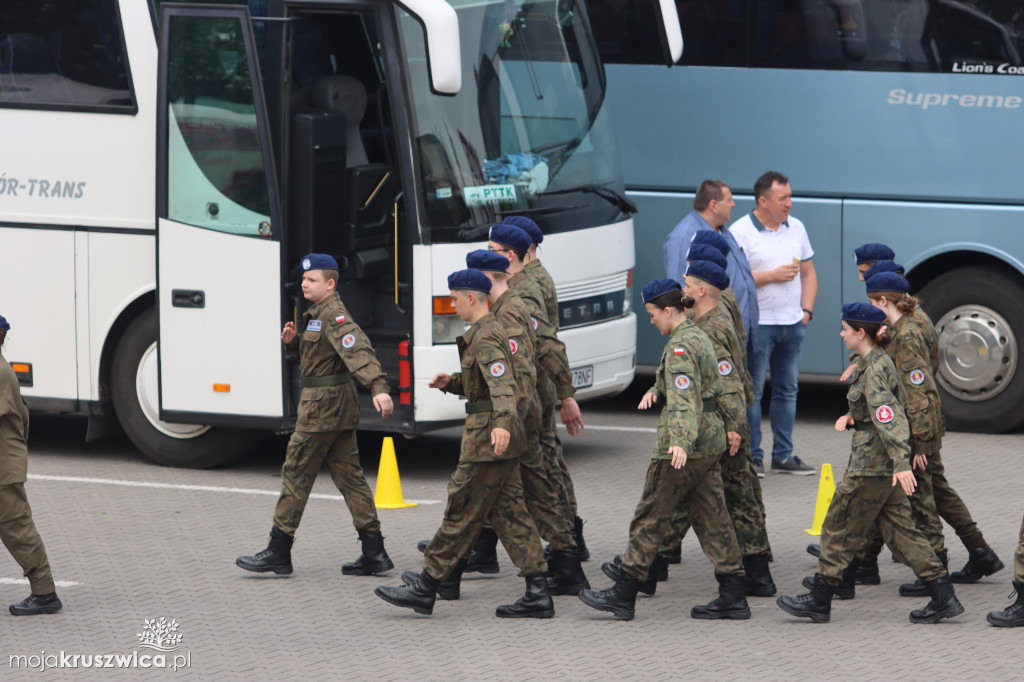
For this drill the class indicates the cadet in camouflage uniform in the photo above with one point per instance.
(684, 466)
(486, 486)
(17, 529)
(1013, 615)
(868, 493)
(331, 349)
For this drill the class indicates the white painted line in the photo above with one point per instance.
(24, 581)
(183, 486)
(625, 429)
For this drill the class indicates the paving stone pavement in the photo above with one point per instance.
(143, 553)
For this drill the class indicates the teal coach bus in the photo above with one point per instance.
(897, 121)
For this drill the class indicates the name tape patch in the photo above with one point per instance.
(313, 326)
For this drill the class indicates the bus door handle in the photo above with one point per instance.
(188, 298)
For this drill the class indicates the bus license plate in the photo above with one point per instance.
(583, 376)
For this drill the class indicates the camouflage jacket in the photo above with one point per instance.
(330, 342)
(487, 380)
(539, 274)
(728, 302)
(881, 444)
(550, 351)
(732, 406)
(511, 312)
(13, 428)
(910, 353)
(687, 382)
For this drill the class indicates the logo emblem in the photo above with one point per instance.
(514, 345)
(884, 414)
(682, 382)
(159, 634)
(313, 326)
(348, 340)
(725, 368)
(305, 264)
(498, 369)
(534, 321)
(916, 377)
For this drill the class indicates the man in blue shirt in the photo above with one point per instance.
(711, 208)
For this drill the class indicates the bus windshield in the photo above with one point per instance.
(528, 133)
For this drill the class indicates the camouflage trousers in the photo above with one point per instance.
(478, 492)
(551, 446)
(743, 499)
(860, 504)
(307, 452)
(542, 489)
(20, 537)
(698, 484)
(1018, 557)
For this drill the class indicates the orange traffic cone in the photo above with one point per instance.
(388, 494)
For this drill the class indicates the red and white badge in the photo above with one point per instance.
(725, 368)
(682, 382)
(534, 321)
(348, 340)
(916, 377)
(514, 345)
(498, 369)
(884, 414)
(678, 351)
(339, 319)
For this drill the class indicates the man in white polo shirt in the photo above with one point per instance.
(779, 253)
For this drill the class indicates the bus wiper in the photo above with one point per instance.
(472, 234)
(602, 190)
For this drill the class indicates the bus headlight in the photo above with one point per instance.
(446, 325)
(627, 300)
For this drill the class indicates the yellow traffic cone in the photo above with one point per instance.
(388, 494)
(826, 489)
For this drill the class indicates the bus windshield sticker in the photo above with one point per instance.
(488, 194)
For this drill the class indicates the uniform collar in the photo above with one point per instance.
(316, 309)
(760, 226)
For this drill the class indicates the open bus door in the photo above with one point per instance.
(219, 265)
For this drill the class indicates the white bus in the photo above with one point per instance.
(164, 167)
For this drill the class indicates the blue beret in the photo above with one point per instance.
(884, 266)
(862, 312)
(4, 324)
(706, 252)
(469, 279)
(887, 281)
(872, 253)
(710, 272)
(713, 238)
(482, 259)
(510, 235)
(658, 287)
(526, 225)
(318, 261)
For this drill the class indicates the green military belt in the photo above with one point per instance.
(863, 426)
(329, 380)
(709, 405)
(480, 406)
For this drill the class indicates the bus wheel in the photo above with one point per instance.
(136, 402)
(979, 324)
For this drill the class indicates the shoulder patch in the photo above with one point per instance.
(682, 382)
(339, 319)
(533, 321)
(916, 377)
(498, 369)
(678, 351)
(514, 345)
(884, 414)
(348, 340)
(313, 326)
(725, 368)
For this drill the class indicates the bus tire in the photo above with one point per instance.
(980, 325)
(133, 384)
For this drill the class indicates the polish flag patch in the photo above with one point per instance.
(348, 340)
(682, 382)
(884, 414)
(916, 377)
(339, 319)
(678, 351)
(725, 368)
(498, 369)
(514, 345)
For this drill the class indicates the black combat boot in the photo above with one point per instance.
(658, 569)
(619, 599)
(34, 604)
(816, 605)
(814, 549)
(373, 559)
(484, 557)
(982, 562)
(422, 545)
(759, 577)
(847, 589)
(581, 544)
(731, 602)
(567, 575)
(277, 557)
(419, 596)
(944, 603)
(536, 603)
(614, 571)
(448, 589)
(1010, 617)
(919, 588)
(675, 554)
(867, 572)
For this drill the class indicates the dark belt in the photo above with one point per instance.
(863, 426)
(329, 380)
(479, 406)
(709, 405)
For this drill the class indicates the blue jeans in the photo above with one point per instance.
(781, 346)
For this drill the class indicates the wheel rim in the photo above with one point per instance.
(977, 353)
(147, 388)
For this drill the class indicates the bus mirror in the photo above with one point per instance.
(441, 26)
(671, 32)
